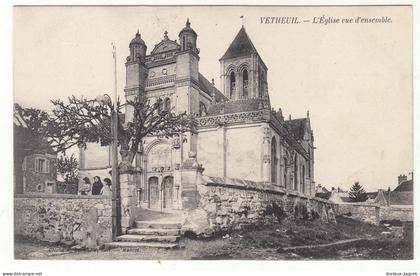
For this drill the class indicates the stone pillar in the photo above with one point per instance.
(127, 197)
(191, 176)
(266, 156)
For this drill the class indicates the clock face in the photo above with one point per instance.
(152, 73)
(164, 71)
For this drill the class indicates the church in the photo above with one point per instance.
(239, 135)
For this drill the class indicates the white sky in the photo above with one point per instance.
(354, 79)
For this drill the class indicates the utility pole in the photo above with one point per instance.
(116, 189)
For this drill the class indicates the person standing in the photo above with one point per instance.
(97, 186)
(85, 187)
(107, 189)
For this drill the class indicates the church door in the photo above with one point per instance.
(153, 193)
(168, 191)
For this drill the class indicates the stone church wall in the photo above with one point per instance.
(233, 151)
(69, 219)
(228, 204)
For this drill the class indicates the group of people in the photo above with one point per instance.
(97, 188)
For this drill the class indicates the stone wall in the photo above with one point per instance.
(374, 214)
(227, 204)
(359, 211)
(70, 219)
(402, 213)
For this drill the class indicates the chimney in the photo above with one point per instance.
(402, 178)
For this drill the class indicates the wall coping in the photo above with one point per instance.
(358, 204)
(257, 186)
(63, 196)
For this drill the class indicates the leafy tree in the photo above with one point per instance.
(67, 167)
(357, 193)
(82, 121)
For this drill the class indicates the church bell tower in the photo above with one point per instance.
(136, 72)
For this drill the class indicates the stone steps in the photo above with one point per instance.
(140, 245)
(147, 238)
(154, 234)
(158, 225)
(153, 231)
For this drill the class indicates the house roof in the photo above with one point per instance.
(297, 127)
(240, 46)
(405, 186)
(394, 198)
(324, 195)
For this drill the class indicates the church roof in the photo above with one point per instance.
(242, 105)
(297, 127)
(405, 186)
(208, 88)
(137, 39)
(240, 46)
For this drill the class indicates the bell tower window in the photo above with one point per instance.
(273, 160)
(245, 84)
(232, 85)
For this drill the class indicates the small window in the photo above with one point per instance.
(202, 109)
(42, 165)
(167, 105)
(39, 188)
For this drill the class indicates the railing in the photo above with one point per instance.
(160, 81)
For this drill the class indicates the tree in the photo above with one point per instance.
(82, 121)
(67, 167)
(357, 193)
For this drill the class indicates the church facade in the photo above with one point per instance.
(239, 134)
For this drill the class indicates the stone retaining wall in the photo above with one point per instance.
(374, 214)
(227, 204)
(69, 219)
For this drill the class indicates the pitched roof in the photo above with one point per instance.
(207, 87)
(297, 127)
(241, 105)
(240, 46)
(405, 186)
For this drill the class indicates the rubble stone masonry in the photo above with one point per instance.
(69, 219)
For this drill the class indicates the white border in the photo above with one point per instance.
(7, 262)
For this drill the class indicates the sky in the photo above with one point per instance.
(355, 79)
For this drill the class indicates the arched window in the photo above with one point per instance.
(309, 165)
(167, 105)
(285, 172)
(303, 179)
(232, 85)
(295, 174)
(273, 160)
(245, 84)
(261, 84)
(202, 109)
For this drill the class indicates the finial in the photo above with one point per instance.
(290, 117)
(307, 113)
(188, 22)
(165, 35)
(138, 32)
(212, 81)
